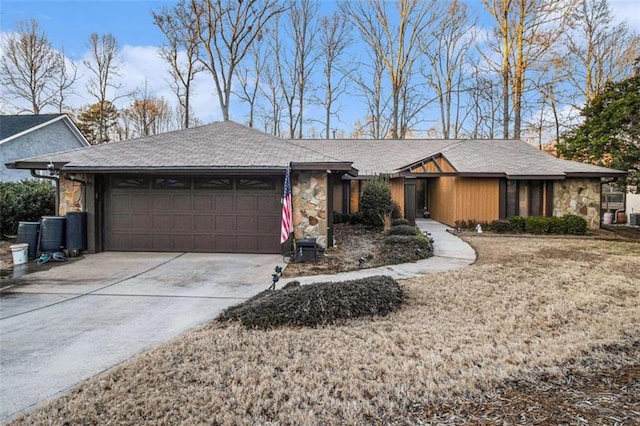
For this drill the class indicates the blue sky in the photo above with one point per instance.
(68, 24)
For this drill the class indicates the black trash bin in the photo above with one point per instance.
(306, 250)
(28, 233)
(52, 233)
(76, 230)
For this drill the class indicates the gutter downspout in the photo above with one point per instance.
(55, 178)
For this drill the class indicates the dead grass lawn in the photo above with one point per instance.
(523, 311)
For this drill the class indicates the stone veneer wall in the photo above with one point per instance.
(71, 195)
(310, 205)
(579, 196)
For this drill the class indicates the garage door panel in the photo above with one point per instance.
(182, 223)
(224, 203)
(140, 222)
(140, 242)
(203, 203)
(246, 243)
(227, 216)
(268, 203)
(141, 202)
(246, 224)
(182, 202)
(224, 223)
(120, 202)
(183, 242)
(203, 223)
(225, 243)
(246, 203)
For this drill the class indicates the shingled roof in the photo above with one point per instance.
(221, 145)
(489, 157)
(11, 125)
(231, 146)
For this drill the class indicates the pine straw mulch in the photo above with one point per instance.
(357, 247)
(537, 331)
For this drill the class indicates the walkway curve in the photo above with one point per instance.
(450, 253)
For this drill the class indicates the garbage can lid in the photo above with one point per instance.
(19, 246)
(306, 241)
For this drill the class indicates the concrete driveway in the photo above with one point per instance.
(66, 324)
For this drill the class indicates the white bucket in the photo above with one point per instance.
(20, 253)
(607, 219)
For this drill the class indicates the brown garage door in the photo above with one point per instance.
(195, 214)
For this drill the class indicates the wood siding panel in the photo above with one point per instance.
(445, 165)
(442, 199)
(354, 198)
(397, 193)
(477, 199)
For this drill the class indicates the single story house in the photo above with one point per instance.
(219, 187)
(23, 136)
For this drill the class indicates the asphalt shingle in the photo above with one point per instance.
(13, 124)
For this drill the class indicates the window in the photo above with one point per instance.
(522, 198)
(213, 183)
(248, 183)
(130, 182)
(172, 183)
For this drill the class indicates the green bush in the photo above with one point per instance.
(407, 248)
(376, 202)
(518, 223)
(354, 218)
(536, 225)
(400, 221)
(575, 224)
(317, 304)
(27, 201)
(556, 225)
(404, 230)
(501, 226)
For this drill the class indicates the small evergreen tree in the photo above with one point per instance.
(376, 202)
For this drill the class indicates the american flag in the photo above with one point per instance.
(286, 226)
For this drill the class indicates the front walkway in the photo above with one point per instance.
(450, 253)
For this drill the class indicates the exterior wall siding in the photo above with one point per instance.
(579, 196)
(56, 137)
(442, 199)
(397, 192)
(354, 196)
(309, 199)
(477, 199)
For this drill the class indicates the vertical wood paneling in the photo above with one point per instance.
(442, 199)
(477, 199)
(354, 198)
(397, 192)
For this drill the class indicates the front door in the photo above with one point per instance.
(422, 197)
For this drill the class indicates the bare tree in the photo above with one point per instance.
(29, 67)
(227, 28)
(334, 38)
(179, 27)
(249, 76)
(271, 115)
(485, 100)
(453, 37)
(598, 49)
(526, 30)
(103, 67)
(377, 122)
(395, 35)
(64, 81)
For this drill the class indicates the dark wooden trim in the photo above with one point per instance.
(329, 208)
(410, 200)
(502, 199)
(549, 199)
(346, 196)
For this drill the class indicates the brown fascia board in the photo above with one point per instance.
(328, 166)
(177, 171)
(612, 173)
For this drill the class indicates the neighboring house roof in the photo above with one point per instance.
(15, 126)
(217, 146)
(487, 157)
